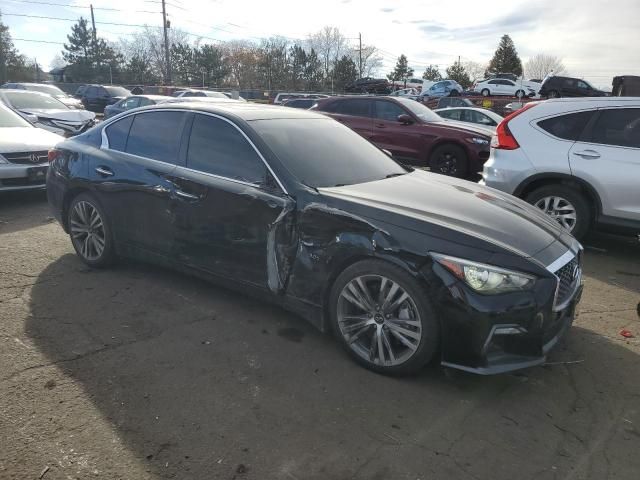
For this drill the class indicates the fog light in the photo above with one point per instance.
(509, 330)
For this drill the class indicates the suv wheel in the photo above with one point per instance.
(89, 231)
(383, 318)
(449, 160)
(564, 204)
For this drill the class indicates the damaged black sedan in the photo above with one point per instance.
(404, 266)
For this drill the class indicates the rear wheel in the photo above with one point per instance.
(449, 160)
(382, 317)
(520, 93)
(485, 92)
(454, 93)
(568, 206)
(89, 231)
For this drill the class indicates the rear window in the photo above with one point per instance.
(156, 135)
(567, 127)
(620, 127)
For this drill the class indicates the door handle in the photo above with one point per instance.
(161, 189)
(592, 154)
(104, 171)
(381, 125)
(187, 196)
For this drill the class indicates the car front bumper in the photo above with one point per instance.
(22, 177)
(493, 334)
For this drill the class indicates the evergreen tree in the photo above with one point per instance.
(344, 72)
(78, 50)
(402, 71)
(459, 74)
(209, 59)
(506, 59)
(13, 65)
(297, 65)
(432, 73)
(313, 73)
(182, 63)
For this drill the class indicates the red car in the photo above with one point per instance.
(412, 133)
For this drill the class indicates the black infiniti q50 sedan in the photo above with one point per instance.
(402, 265)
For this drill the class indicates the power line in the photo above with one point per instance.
(36, 41)
(81, 6)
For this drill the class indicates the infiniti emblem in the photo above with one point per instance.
(575, 272)
(34, 158)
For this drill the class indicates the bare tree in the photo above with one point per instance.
(330, 44)
(474, 69)
(57, 62)
(542, 64)
(242, 57)
(371, 60)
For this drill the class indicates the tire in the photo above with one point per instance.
(407, 328)
(558, 201)
(520, 94)
(454, 93)
(449, 159)
(90, 231)
(553, 94)
(485, 92)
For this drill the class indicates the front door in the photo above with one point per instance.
(609, 159)
(402, 140)
(227, 206)
(133, 182)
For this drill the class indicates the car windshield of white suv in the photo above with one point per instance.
(423, 113)
(49, 89)
(25, 100)
(8, 119)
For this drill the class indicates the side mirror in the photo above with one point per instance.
(405, 119)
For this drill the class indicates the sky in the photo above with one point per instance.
(595, 39)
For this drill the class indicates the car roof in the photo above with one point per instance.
(152, 97)
(242, 110)
(23, 92)
(594, 100)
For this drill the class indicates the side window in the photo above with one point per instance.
(130, 103)
(619, 127)
(217, 147)
(567, 127)
(156, 135)
(102, 92)
(145, 101)
(388, 111)
(358, 108)
(453, 114)
(583, 85)
(118, 132)
(494, 82)
(92, 92)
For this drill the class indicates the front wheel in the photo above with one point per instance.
(383, 318)
(564, 204)
(485, 92)
(454, 93)
(449, 160)
(520, 94)
(89, 231)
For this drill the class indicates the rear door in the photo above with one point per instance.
(355, 113)
(133, 181)
(227, 205)
(404, 141)
(608, 157)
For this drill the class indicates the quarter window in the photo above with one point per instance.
(567, 127)
(217, 147)
(619, 127)
(118, 132)
(156, 135)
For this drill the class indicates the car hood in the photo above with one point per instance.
(458, 126)
(25, 139)
(75, 116)
(69, 101)
(469, 208)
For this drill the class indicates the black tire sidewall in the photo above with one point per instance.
(584, 211)
(430, 326)
(108, 254)
(461, 155)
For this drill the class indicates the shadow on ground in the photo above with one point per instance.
(17, 210)
(199, 382)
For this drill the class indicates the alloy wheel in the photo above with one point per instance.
(87, 230)
(559, 209)
(446, 163)
(379, 320)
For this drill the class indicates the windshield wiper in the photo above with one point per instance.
(391, 175)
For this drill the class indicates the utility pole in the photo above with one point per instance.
(37, 71)
(167, 58)
(360, 53)
(95, 39)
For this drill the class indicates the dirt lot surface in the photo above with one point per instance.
(140, 373)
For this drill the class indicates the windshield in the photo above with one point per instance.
(50, 89)
(215, 94)
(118, 91)
(323, 153)
(25, 100)
(8, 119)
(419, 110)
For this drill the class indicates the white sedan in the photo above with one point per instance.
(503, 86)
(23, 152)
(479, 116)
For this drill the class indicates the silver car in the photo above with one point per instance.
(46, 112)
(23, 152)
(52, 90)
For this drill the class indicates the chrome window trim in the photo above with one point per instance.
(220, 177)
(104, 145)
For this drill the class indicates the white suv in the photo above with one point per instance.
(578, 159)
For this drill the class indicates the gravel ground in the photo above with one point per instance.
(141, 373)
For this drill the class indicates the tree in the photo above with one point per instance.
(210, 60)
(57, 62)
(78, 50)
(313, 71)
(297, 64)
(432, 73)
(474, 69)
(371, 60)
(506, 59)
(273, 64)
(182, 63)
(542, 64)
(344, 72)
(242, 59)
(459, 74)
(402, 71)
(13, 65)
(329, 44)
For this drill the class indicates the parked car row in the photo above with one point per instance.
(52, 90)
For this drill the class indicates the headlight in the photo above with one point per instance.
(484, 278)
(478, 140)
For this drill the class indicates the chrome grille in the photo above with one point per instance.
(569, 276)
(26, 158)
